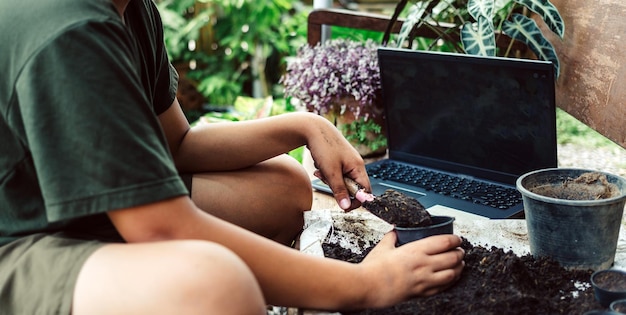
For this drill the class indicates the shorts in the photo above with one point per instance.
(38, 273)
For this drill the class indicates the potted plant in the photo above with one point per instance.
(477, 26)
(340, 80)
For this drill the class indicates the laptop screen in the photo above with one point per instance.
(488, 117)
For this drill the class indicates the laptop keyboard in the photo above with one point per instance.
(458, 187)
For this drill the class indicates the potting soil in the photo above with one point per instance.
(496, 281)
(399, 209)
(587, 186)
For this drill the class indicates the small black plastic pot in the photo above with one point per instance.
(440, 225)
(619, 306)
(609, 285)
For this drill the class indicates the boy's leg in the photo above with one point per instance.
(268, 199)
(175, 277)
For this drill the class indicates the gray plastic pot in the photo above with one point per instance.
(440, 225)
(579, 234)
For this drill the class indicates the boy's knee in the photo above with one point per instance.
(295, 181)
(294, 171)
(211, 276)
(172, 277)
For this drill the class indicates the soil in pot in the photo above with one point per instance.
(496, 281)
(399, 209)
(619, 306)
(611, 281)
(587, 186)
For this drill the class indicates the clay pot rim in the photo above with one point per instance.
(447, 220)
(595, 202)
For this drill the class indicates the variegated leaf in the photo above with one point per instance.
(548, 12)
(479, 38)
(525, 29)
(414, 16)
(478, 8)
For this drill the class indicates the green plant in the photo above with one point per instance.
(359, 132)
(474, 26)
(181, 25)
(340, 77)
(246, 108)
(327, 77)
(235, 47)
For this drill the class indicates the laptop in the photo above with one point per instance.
(462, 128)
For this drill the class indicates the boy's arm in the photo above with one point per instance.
(287, 277)
(236, 145)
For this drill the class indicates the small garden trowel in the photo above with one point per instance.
(392, 206)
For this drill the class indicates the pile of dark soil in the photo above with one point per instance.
(495, 281)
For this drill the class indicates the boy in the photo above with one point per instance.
(95, 218)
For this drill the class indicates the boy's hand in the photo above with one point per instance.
(421, 268)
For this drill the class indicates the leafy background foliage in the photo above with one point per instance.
(223, 55)
(479, 23)
(238, 46)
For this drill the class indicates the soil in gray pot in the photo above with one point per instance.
(587, 186)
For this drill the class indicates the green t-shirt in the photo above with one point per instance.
(79, 99)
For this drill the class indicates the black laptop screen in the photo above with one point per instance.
(467, 113)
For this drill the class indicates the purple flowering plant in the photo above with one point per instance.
(325, 77)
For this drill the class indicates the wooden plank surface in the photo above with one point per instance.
(592, 85)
